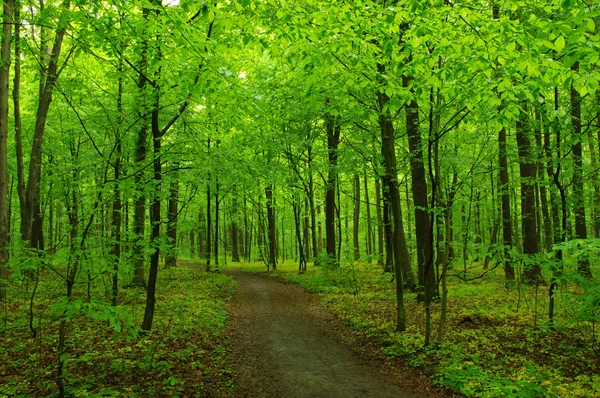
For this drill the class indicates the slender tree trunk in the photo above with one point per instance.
(217, 215)
(379, 222)
(595, 181)
(208, 216)
(235, 234)
(115, 230)
(302, 259)
(172, 210)
(369, 225)
(504, 192)
(390, 180)
(7, 23)
(527, 170)
(420, 192)
(271, 222)
(155, 217)
(311, 201)
(139, 215)
(355, 225)
(578, 192)
(333, 140)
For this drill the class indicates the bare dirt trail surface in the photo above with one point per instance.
(286, 344)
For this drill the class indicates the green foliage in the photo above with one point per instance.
(184, 354)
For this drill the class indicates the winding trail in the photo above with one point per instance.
(286, 344)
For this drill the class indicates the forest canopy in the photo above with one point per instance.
(440, 143)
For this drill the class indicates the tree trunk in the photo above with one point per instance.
(7, 23)
(311, 201)
(171, 255)
(369, 225)
(421, 207)
(139, 215)
(208, 216)
(379, 222)
(235, 234)
(390, 180)
(355, 225)
(217, 202)
(333, 140)
(115, 230)
(527, 170)
(271, 221)
(504, 192)
(578, 192)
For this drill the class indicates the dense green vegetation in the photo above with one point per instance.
(439, 158)
(107, 356)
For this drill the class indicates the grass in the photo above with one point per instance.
(498, 342)
(106, 356)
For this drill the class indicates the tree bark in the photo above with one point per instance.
(527, 170)
(369, 225)
(578, 192)
(379, 222)
(172, 210)
(7, 23)
(355, 225)
(271, 225)
(420, 192)
(333, 140)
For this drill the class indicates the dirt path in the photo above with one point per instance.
(286, 344)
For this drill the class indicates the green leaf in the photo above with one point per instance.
(559, 43)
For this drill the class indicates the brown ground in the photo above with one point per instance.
(285, 343)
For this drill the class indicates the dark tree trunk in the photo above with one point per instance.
(217, 215)
(333, 140)
(421, 207)
(391, 191)
(155, 217)
(504, 192)
(208, 215)
(311, 200)
(369, 224)
(355, 225)
(546, 220)
(7, 23)
(380, 222)
(527, 170)
(139, 216)
(171, 255)
(578, 192)
(306, 230)
(302, 258)
(235, 233)
(271, 221)
(115, 230)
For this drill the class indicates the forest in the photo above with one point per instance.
(426, 169)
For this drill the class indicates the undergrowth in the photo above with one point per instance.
(184, 355)
(497, 343)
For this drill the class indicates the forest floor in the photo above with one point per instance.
(285, 343)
